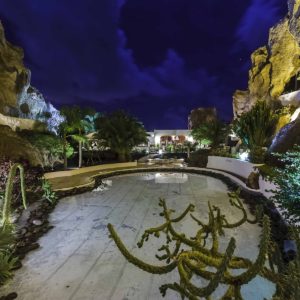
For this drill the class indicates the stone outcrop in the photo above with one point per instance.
(15, 147)
(287, 137)
(15, 89)
(13, 74)
(274, 65)
(17, 124)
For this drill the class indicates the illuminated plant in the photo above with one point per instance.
(48, 193)
(7, 262)
(203, 254)
(256, 128)
(6, 209)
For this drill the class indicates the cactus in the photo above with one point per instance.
(196, 260)
(7, 262)
(6, 209)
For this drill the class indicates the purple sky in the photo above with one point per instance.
(157, 59)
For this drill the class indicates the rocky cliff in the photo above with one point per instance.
(13, 74)
(275, 67)
(17, 93)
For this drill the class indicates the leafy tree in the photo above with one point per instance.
(210, 133)
(75, 126)
(120, 132)
(287, 178)
(256, 128)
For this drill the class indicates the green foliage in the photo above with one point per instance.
(48, 193)
(199, 255)
(6, 208)
(224, 152)
(288, 181)
(7, 264)
(256, 128)
(75, 126)
(257, 155)
(121, 133)
(199, 158)
(211, 133)
(50, 144)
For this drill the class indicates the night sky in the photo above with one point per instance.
(157, 59)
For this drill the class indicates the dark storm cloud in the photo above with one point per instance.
(156, 58)
(260, 16)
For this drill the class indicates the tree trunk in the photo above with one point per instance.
(80, 154)
(65, 152)
(122, 156)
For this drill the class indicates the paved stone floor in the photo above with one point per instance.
(77, 260)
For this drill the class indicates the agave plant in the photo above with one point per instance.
(7, 264)
(257, 127)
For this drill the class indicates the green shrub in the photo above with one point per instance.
(199, 158)
(288, 180)
(7, 264)
(222, 152)
(48, 194)
(256, 128)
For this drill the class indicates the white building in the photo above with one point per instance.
(163, 137)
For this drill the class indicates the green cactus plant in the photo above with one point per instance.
(7, 262)
(6, 208)
(198, 260)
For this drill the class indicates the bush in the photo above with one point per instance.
(199, 158)
(222, 152)
(256, 127)
(257, 155)
(288, 180)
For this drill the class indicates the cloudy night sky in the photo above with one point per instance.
(157, 59)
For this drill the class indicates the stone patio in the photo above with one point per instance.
(77, 260)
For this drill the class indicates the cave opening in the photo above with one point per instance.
(293, 84)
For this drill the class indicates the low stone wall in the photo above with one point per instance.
(242, 169)
(232, 165)
(89, 169)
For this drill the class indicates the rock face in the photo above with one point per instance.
(22, 124)
(287, 137)
(13, 74)
(15, 89)
(15, 147)
(274, 65)
(38, 109)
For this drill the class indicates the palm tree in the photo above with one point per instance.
(75, 126)
(120, 132)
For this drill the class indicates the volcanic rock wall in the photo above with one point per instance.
(273, 65)
(13, 74)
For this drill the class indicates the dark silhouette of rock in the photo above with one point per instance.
(286, 138)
